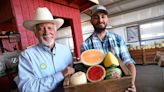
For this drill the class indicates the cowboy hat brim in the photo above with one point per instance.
(29, 24)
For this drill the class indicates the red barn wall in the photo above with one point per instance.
(24, 9)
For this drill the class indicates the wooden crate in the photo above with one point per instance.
(145, 56)
(137, 56)
(160, 49)
(111, 85)
(149, 55)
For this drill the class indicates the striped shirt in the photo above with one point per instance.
(111, 42)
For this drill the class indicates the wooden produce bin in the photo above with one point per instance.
(137, 56)
(160, 49)
(110, 85)
(149, 55)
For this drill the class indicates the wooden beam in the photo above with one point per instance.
(65, 3)
(7, 26)
(6, 11)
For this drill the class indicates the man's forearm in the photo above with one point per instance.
(132, 69)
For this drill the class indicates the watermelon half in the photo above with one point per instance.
(96, 73)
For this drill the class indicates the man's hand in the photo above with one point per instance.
(131, 89)
(68, 71)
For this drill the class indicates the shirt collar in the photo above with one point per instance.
(95, 36)
(48, 49)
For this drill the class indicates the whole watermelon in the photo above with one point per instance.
(80, 67)
(113, 73)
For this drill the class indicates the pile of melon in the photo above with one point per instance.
(96, 67)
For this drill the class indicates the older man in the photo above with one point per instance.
(106, 41)
(43, 67)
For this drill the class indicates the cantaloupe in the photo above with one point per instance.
(110, 60)
(92, 57)
(96, 73)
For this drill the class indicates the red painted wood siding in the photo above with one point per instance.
(24, 9)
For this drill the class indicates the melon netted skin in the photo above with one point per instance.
(92, 57)
(96, 73)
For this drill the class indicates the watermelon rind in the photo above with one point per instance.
(113, 73)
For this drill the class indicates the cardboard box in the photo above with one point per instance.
(111, 85)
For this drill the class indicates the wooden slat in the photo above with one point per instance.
(16, 8)
(137, 55)
(32, 8)
(65, 3)
(149, 55)
(25, 14)
(124, 68)
(41, 3)
(113, 85)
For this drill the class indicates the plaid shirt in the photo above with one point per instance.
(111, 42)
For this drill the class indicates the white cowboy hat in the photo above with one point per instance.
(42, 15)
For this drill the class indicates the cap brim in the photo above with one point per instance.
(29, 24)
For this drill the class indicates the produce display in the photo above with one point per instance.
(95, 67)
(148, 46)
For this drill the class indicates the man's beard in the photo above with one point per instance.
(99, 29)
(48, 42)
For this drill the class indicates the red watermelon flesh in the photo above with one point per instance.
(96, 73)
